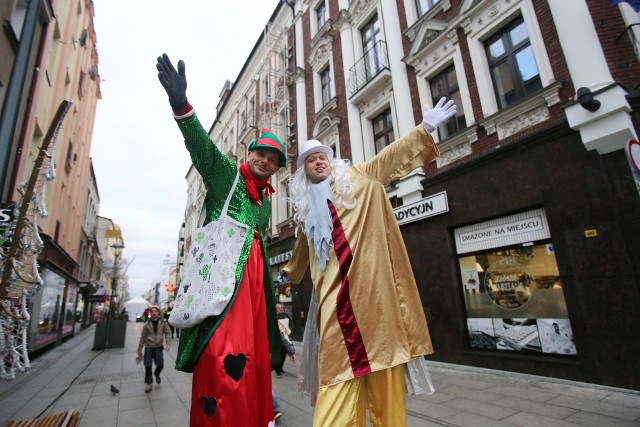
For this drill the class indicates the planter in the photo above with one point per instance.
(117, 334)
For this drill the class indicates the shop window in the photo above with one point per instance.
(512, 64)
(513, 290)
(382, 130)
(445, 85)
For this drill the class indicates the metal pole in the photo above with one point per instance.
(114, 285)
(9, 115)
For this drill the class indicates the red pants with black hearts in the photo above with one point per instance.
(232, 379)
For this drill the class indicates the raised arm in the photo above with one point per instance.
(174, 81)
(212, 165)
(413, 150)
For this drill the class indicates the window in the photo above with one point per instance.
(321, 15)
(284, 189)
(18, 17)
(266, 87)
(446, 84)
(373, 54)
(423, 6)
(325, 85)
(382, 130)
(512, 287)
(512, 65)
(69, 156)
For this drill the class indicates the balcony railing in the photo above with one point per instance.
(369, 66)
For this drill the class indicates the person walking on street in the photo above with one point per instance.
(371, 322)
(287, 348)
(276, 407)
(154, 332)
(230, 354)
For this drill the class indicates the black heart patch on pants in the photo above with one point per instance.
(234, 365)
(209, 405)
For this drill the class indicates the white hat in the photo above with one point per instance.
(311, 147)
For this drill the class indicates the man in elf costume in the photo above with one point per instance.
(371, 323)
(230, 354)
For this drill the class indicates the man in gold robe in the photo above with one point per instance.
(370, 318)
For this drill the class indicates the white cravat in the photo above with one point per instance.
(318, 225)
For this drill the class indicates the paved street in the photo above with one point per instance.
(73, 376)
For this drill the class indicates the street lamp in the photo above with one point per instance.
(117, 248)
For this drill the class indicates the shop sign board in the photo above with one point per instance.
(430, 206)
(280, 258)
(514, 229)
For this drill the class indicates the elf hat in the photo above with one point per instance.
(267, 139)
(311, 147)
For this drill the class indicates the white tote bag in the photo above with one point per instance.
(209, 276)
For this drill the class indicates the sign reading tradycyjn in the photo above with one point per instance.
(429, 206)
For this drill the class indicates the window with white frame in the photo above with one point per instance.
(445, 85)
(286, 203)
(371, 48)
(382, 130)
(18, 16)
(325, 85)
(321, 15)
(423, 6)
(512, 63)
(266, 87)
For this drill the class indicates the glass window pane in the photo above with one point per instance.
(452, 78)
(526, 64)
(518, 34)
(438, 88)
(458, 121)
(496, 49)
(424, 5)
(504, 84)
(515, 301)
(378, 124)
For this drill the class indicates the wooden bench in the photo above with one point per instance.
(69, 418)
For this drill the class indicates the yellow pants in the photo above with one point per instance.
(345, 404)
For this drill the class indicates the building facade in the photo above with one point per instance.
(523, 233)
(89, 253)
(52, 52)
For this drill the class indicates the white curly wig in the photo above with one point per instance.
(299, 183)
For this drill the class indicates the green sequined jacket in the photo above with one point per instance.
(218, 173)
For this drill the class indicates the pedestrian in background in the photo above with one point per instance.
(154, 332)
(276, 407)
(287, 348)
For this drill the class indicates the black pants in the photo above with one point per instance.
(280, 365)
(152, 355)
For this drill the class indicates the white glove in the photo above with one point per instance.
(432, 118)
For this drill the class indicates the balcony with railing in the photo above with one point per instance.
(369, 73)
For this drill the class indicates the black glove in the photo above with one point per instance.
(174, 82)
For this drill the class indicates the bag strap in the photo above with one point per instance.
(233, 187)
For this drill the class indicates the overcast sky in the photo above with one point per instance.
(138, 153)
